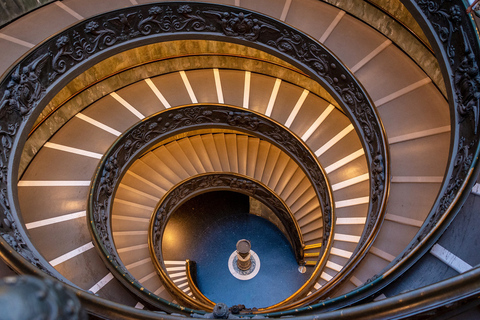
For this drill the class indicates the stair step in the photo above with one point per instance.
(221, 148)
(232, 151)
(271, 163)
(403, 110)
(212, 152)
(253, 147)
(262, 155)
(182, 158)
(315, 226)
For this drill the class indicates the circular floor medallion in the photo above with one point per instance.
(244, 274)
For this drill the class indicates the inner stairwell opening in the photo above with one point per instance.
(206, 228)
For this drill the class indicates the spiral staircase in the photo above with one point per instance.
(353, 124)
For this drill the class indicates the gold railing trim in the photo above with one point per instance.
(193, 286)
(164, 277)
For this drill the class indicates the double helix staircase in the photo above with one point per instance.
(70, 137)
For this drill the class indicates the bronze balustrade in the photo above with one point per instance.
(28, 85)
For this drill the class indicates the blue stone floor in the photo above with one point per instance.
(206, 229)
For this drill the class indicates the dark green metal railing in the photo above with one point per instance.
(28, 86)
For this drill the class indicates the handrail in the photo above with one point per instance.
(456, 41)
(264, 66)
(191, 268)
(152, 131)
(207, 182)
(159, 59)
(449, 293)
(58, 59)
(468, 159)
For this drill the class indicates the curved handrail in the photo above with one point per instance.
(455, 39)
(431, 301)
(152, 131)
(191, 268)
(449, 293)
(208, 182)
(27, 87)
(457, 186)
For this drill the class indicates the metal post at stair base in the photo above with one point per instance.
(243, 254)
(244, 263)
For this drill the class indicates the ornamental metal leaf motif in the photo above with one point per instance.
(167, 20)
(173, 121)
(372, 137)
(23, 89)
(448, 21)
(243, 120)
(302, 49)
(467, 86)
(246, 120)
(20, 95)
(242, 25)
(460, 44)
(106, 186)
(310, 53)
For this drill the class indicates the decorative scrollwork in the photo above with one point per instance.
(450, 26)
(242, 25)
(152, 130)
(299, 47)
(172, 121)
(20, 96)
(102, 36)
(467, 87)
(448, 21)
(243, 120)
(167, 21)
(196, 185)
(23, 89)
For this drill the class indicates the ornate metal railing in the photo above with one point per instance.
(430, 302)
(455, 40)
(152, 131)
(209, 182)
(27, 87)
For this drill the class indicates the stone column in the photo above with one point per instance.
(243, 254)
